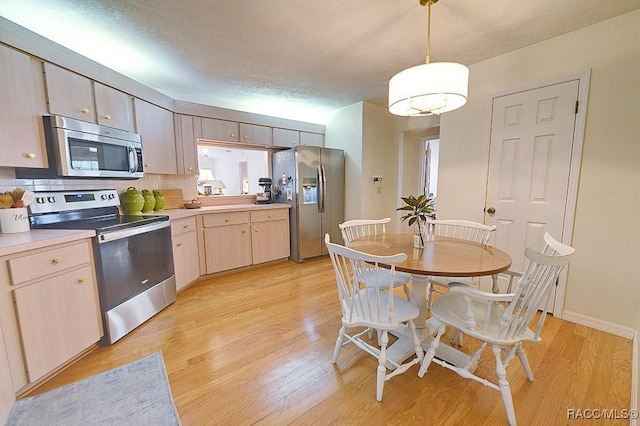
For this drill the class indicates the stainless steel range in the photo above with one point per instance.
(133, 254)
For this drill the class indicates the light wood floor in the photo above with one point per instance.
(255, 348)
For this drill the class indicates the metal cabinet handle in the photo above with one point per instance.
(185, 226)
(81, 280)
(491, 210)
(30, 155)
(179, 245)
(107, 117)
(85, 110)
(56, 260)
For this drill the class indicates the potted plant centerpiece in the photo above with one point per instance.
(418, 210)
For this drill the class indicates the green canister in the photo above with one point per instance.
(149, 201)
(159, 200)
(132, 201)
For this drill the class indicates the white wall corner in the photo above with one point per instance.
(621, 331)
(635, 377)
(598, 324)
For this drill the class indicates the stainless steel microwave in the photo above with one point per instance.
(78, 149)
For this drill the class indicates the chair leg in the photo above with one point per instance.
(522, 356)
(407, 291)
(339, 341)
(431, 352)
(456, 338)
(382, 361)
(503, 383)
(416, 342)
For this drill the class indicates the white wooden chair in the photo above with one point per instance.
(369, 306)
(501, 320)
(353, 229)
(465, 230)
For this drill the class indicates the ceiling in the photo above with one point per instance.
(296, 59)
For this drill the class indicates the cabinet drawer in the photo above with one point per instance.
(265, 215)
(221, 219)
(180, 226)
(36, 265)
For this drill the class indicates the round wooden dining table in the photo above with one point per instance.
(440, 256)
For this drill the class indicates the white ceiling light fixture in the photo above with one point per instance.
(432, 88)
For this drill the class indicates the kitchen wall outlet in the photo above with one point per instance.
(377, 179)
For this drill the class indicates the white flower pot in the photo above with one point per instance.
(14, 220)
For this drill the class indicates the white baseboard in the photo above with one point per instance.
(621, 331)
(609, 327)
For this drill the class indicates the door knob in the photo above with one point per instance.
(491, 210)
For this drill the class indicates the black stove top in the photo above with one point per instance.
(100, 224)
(84, 210)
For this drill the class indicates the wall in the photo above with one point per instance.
(344, 131)
(367, 133)
(603, 279)
(378, 159)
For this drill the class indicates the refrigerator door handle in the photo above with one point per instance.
(321, 192)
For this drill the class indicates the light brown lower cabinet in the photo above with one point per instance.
(49, 309)
(57, 319)
(185, 251)
(270, 235)
(238, 239)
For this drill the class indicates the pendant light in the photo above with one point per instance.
(432, 88)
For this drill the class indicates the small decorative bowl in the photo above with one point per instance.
(193, 205)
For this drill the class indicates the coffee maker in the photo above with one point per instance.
(264, 197)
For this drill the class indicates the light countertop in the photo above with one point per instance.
(181, 213)
(38, 238)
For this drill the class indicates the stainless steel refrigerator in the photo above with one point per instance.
(311, 181)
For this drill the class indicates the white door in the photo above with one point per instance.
(532, 135)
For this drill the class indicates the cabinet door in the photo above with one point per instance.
(58, 318)
(227, 247)
(311, 139)
(254, 134)
(187, 133)
(270, 241)
(69, 94)
(22, 105)
(286, 137)
(7, 394)
(185, 259)
(220, 130)
(155, 126)
(113, 107)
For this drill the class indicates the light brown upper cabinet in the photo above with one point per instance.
(76, 96)
(220, 130)
(311, 139)
(22, 105)
(255, 134)
(286, 137)
(188, 130)
(155, 126)
(113, 107)
(214, 129)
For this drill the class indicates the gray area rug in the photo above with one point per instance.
(134, 394)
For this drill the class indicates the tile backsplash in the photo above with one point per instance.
(187, 183)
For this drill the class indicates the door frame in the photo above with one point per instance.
(574, 170)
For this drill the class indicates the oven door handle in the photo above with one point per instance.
(125, 233)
